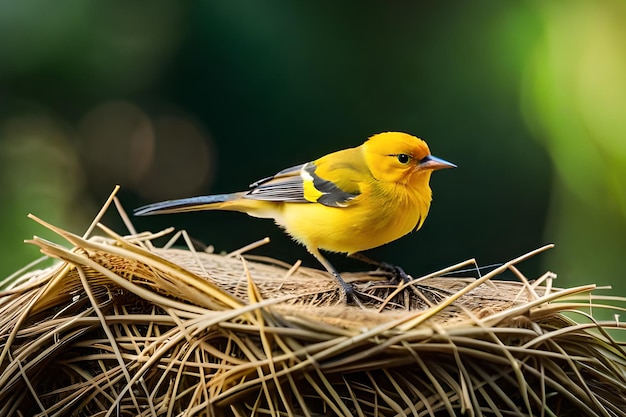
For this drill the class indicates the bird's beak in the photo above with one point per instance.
(434, 163)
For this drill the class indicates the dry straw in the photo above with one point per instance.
(120, 328)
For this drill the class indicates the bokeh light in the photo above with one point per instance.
(574, 97)
(40, 173)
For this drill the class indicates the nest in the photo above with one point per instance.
(120, 328)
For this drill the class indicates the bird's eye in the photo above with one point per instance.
(403, 158)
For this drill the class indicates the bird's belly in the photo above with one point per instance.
(349, 229)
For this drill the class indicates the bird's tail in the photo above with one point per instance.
(207, 202)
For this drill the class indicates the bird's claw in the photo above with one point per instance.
(396, 272)
(352, 296)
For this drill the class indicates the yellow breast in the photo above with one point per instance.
(374, 218)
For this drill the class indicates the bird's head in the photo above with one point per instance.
(401, 158)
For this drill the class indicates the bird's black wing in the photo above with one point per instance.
(300, 184)
(287, 185)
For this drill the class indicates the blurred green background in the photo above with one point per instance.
(172, 99)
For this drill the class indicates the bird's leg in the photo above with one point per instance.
(396, 271)
(348, 290)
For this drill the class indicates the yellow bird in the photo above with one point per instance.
(347, 201)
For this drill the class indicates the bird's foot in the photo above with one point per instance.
(397, 273)
(351, 295)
